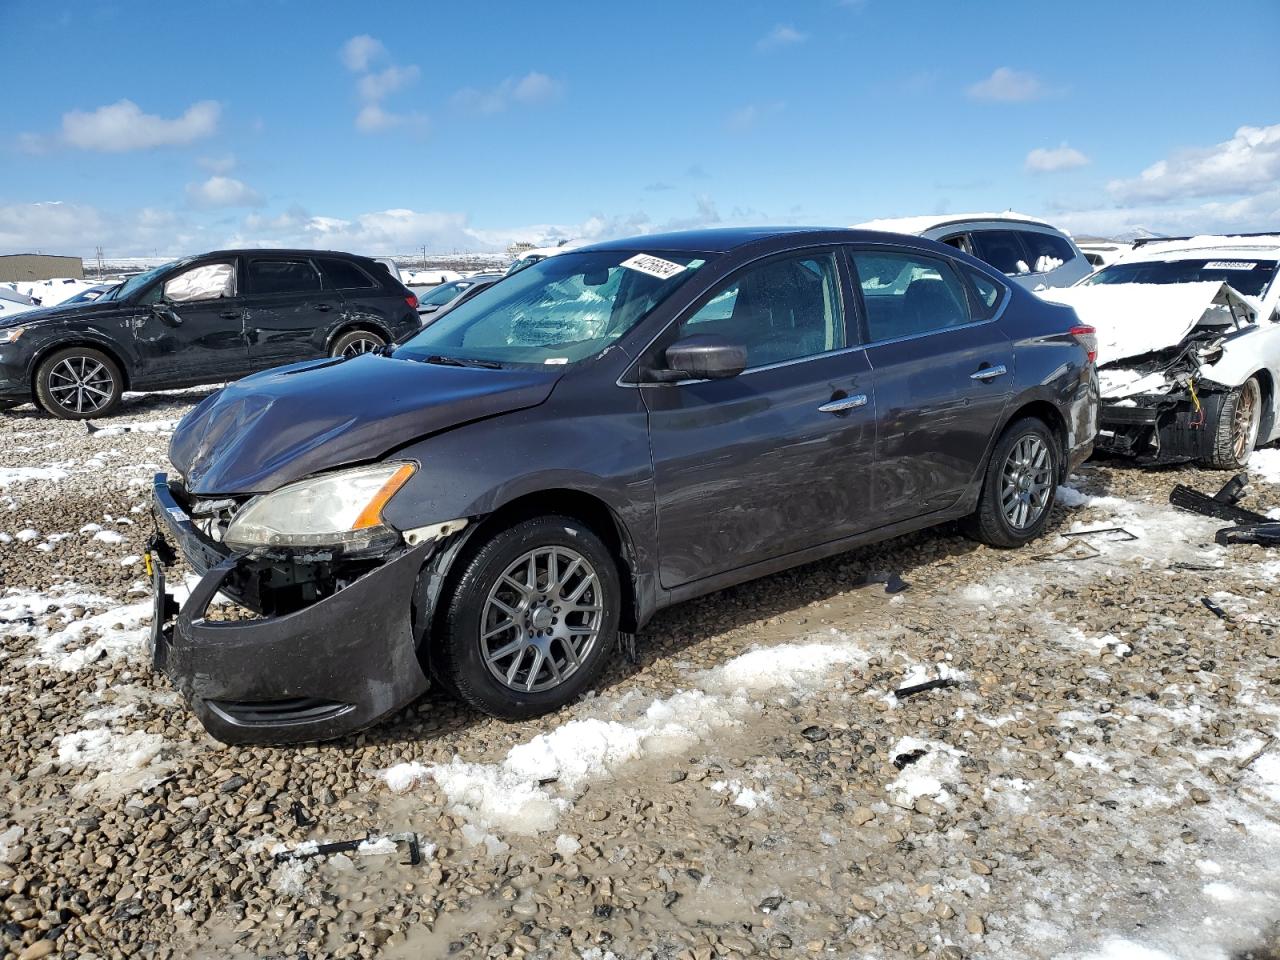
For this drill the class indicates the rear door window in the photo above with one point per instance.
(1002, 249)
(907, 294)
(1048, 250)
(282, 276)
(343, 275)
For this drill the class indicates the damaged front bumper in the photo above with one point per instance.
(1161, 427)
(333, 649)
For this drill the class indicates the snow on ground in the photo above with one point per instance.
(1264, 465)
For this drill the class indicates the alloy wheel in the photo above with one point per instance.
(541, 620)
(81, 384)
(1248, 416)
(361, 345)
(1026, 482)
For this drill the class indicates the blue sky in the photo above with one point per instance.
(167, 128)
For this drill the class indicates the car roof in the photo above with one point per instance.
(919, 225)
(722, 239)
(1194, 248)
(278, 252)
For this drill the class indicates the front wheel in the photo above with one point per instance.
(356, 342)
(1236, 431)
(1020, 486)
(78, 383)
(532, 619)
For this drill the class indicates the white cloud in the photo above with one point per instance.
(122, 126)
(71, 228)
(1248, 163)
(360, 52)
(533, 88)
(372, 118)
(1007, 85)
(1242, 215)
(376, 86)
(783, 35)
(748, 117)
(1052, 159)
(220, 191)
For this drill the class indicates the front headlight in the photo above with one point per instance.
(340, 510)
(11, 334)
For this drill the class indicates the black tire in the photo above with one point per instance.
(992, 523)
(460, 646)
(1235, 433)
(96, 394)
(355, 342)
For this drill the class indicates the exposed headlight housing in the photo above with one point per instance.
(10, 334)
(340, 511)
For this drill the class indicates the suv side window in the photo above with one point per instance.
(1048, 251)
(1002, 249)
(282, 276)
(209, 281)
(781, 310)
(344, 275)
(907, 294)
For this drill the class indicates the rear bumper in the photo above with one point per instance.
(326, 670)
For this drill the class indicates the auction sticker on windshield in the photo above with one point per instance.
(1229, 265)
(653, 266)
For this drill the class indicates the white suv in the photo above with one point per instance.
(1030, 252)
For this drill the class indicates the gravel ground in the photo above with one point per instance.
(1100, 780)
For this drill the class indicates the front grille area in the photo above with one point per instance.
(294, 710)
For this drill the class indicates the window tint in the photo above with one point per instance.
(907, 294)
(209, 281)
(986, 293)
(1048, 250)
(1002, 250)
(781, 310)
(343, 275)
(282, 276)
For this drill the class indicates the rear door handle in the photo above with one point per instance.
(230, 314)
(322, 307)
(989, 373)
(843, 404)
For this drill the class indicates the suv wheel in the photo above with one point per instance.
(1020, 487)
(532, 620)
(1236, 431)
(356, 342)
(78, 383)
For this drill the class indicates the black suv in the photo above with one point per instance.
(205, 319)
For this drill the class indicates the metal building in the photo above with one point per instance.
(39, 266)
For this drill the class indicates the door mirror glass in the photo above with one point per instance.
(210, 281)
(704, 356)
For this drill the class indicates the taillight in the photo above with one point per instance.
(1087, 337)
(412, 301)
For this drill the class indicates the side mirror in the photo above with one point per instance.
(166, 314)
(429, 308)
(704, 356)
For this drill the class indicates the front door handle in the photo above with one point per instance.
(322, 307)
(989, 373)
(230, 314)
(844, 404)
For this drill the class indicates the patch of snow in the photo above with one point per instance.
(926, 777)
(1264, 465)
(10, 476)
(121, 762)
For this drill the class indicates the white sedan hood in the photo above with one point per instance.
(1133, 319)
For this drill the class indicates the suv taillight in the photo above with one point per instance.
(412, 301)
(1087, 337)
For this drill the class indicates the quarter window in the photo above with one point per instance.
(986, 293)
(209, 281)
(1048, 250)
(908, 294)
(344, 276)
(782, 310)
(1002, 249)
(282, 276)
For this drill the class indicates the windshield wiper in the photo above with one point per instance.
(463, 362)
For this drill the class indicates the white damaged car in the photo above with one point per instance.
(1188, 348)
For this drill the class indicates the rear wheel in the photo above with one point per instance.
(1236, 431)
(356, 342)
(78, 383)
(532, 620)
(1020, 486)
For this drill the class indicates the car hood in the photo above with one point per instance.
(1133, 319)
(275, 427)
(58, 312)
